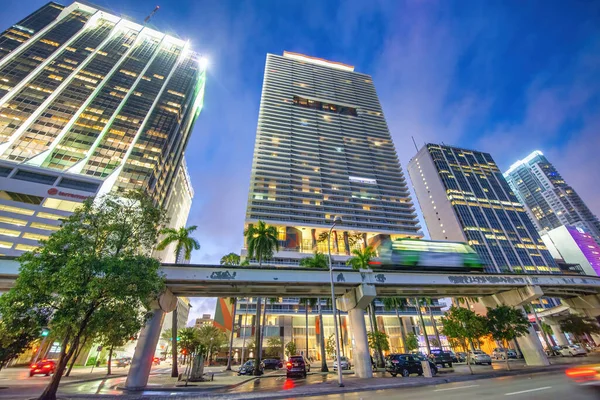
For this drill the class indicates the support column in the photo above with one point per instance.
(355, 302)
(137, 378)
(560, 337)
(530, 344)
(360, 345)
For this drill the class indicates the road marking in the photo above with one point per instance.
(454, 388)
(527, 391)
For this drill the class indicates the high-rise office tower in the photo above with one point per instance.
(549, 200)
(90, 102)
(323, 149)
(464, 197)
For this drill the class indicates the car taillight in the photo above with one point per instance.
(47, 366)
(374, 262)
(33, 366)
(289, 364)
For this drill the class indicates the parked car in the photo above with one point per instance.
(501, 354)
(454, 357)
(297, 365)
(248, 368)
(121, 362)
(344, 362)
(44, 367)
(441, 357)
(479, 357)
(406, 364)
(553, 350)
(461, 356)
(572, 350)
(272, 363)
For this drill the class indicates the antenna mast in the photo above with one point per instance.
(415, 143)
(151, 15)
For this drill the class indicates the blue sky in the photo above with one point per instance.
(507, 77)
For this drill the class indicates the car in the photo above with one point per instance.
(121, 362)
(272, 363)
(479, 357)
(572, 350)
(297, 366)
(441, 357)
(454, 356)
(461, 356)
(552, 350)
(406, 364)
(248, 368)
(501, 354)
(585, 375)
(44, 367)
(344, 362)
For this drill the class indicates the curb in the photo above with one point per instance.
(187, 389)
(92, 379)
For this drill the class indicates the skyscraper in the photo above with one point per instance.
(549, 200)
(464, 197)
(90, 102)
(323, 149)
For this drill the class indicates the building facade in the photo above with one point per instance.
(548, 199)
(323, 149)
(464, 197)
(574, 246)
(204, 321)
(90, 103)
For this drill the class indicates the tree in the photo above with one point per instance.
(210, 340)
(547, 329)
(420, 313)
(396, 303)
(233, 302)
(97, 259)
(330, 345)
(166, 336)
(189, 341)
(182, 239)
(230, 259)
(262, 242)
(307, 303)
(412, 342)
(318, 261)
(378, 340)
(462, 326)
(274, 345)
(428, 302)
(505, 324)
(290, 349)
(361, 259)
(579, 326)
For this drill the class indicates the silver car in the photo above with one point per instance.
(572, 350)
(344, 362)
(479, 357)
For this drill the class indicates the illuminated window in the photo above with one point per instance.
(35, 236)
(49, 216)
(9, 232)
(25, 247)
(16, 210)
(13, 221)
(47, 227)
(63, 205)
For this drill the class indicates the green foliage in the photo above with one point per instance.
(578, 325)
(290, 349)
(318, 260)
(230, 259)
(274, 345)
(412, 342)
(261, 240)
(361, 258)
(354, 238)
(394, 303)
(201, 341)
(378, 341)
(115, 326)
(330, 345)
(506, 323)
(182, 239)
(322, 237)
(463, 326)
(93, 267)
(251, 344)
(245, 263)
(547, 329)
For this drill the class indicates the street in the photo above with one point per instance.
(531, 387)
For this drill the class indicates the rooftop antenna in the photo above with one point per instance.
(151, 14)
(415, 143)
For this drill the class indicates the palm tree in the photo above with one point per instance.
(230, 259)
(318, 260)
(395, 303)
(166, 336)
(307, 303)
(428, 303)
(262, 242)
(233, 302)
(271, 301)
(186, 243)
(361, 258)
(418, 307)
(183, 239)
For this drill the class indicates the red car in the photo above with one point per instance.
(44, 367)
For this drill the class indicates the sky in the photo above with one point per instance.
(506, 77)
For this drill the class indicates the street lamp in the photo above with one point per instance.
(337, 219)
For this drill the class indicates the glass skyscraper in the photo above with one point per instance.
(464, 197)
(90, 102)
(549, 200)
(323, 149)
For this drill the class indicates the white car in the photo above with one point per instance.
(345, 363)
(572, 350)
(479, 357)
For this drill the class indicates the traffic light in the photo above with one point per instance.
(45, 332)
(178, 338)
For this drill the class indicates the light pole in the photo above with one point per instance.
(336, 220)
